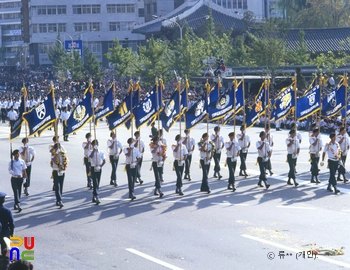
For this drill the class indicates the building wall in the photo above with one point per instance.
(96, 23)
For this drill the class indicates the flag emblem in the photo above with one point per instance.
(312, 99)
(147, 106)
(223, 102)
(286, 101)
(169, 108)
(199, 108)
(79, 113)
(258, 106)
(41, 111)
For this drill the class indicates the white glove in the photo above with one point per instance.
(243, 131)
(95, 147)
(26, 145)
(89, 140)
(321, 163)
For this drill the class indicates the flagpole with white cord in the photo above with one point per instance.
(235, 102)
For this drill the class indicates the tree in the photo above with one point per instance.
(57, 55)
(92, 67)
(121, 58)
(300, 56)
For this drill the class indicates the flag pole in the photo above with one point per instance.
(93, 107)
(295, 97)
(53, 101)
(24, 90)
(266, 113)
(207, 88)
(157, 85)
(321, 90)
(131, 90)
(345, 82)
(138, 96)
(179, 95)
(243, 90)
(234, 105)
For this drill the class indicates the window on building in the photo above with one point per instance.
(111, 8)
(51, 10)
(42, 28)
(61, 10)
(154, 5)
(77, 9)
(80, 27)
(95, 26)
(229, 6)
(239, 3)
(148, 8)
(86, 9)
(41, 10)
(95, 46)
(43, 48)
(112, 26)
(62, 27)
(141, 12)
(234, 4)
(34, 28)
(245, 4)
(95, 9)
(130, 8)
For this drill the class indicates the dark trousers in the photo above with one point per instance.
(87, 168)
(16, 184)
(188, 162)
(262, 167)
(28, 170)
(217, 157)
(179, 171)
(291, 163)
(161, 170)
(231, 170)
(138, 168)
(12, 122)
(314, 165)
(157, 174)
(131, 173)
(3, 114)
(268, 165)
(58, 183)
(341, 169)
(333, 166)
(243, 157)
(65, 130)
(114, 163)
(205, 171)
(96, 177)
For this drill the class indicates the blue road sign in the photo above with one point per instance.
(77, 46)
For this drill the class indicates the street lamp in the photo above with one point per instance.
(178, 25)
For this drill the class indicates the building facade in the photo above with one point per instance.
(95, 24)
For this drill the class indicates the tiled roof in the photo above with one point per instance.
(189, 12)
(321, 39)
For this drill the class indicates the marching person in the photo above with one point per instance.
(264, 153)
(97, 160)
(206, 151)
(87, 148)
(244, 143)
(293, 149)
(269, 139)
(299, 138)
(140, 145)
(158, 151)
(163, 142)
(180, 155)
(17, 168)
(59, 163)
(64, 117)
(132, 157)
(343, 141)
(218, 141)
(27, 154)
(190, 143)
(7, 223)
(333, 150)
(232, 151)
(154, 131)
(115, 148)
(12, 116)
(315, 149)
(54, 140)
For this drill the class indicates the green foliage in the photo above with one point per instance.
(300, 56)
(92, 67)
(329, 61)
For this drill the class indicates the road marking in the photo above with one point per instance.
(152, 259)
(229, 204)
(343, 264)
(345, 210)
(176, 201)
(296, 207)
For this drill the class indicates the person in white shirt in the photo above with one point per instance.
(164, 142)
(333, 151)
(140, 145)
(343, 140)
(180, 155)
(315, 149)
(299, 138)
(293, 149)
(264, 153)
(206, 151)
(190, 143)
(158, 151)
(244, 143)
(12, 115)
(132, 157)
(27, 154)
(218, 141)
(64, 117)
(232, 152)
(97, 160)
(115, 148)
(87, 148)
(3, 105)
(17, 169)
(59, 163)
(269, 139)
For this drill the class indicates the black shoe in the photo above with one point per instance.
(339, 180)
(26, 192)
(215, 176)
(229, 186)
(189, 178)
(241, 174)
(186, 176)
(271, 173)
(180, 192)
(233, 189)
(220, 176)
(162, 181)
(20, 209)
(156, 192)
(141, 182)
(98, 201)
(93, 199)
(318, 181)
(312, 180)
(161, 194)
(296, 184)
(345, 180)
(60, 204)
(57, 204)
(209, 191)
(137, 181)
(259, 184)
(15, 207)
(88, 184)
(289, 182)
(133, 197)
(115, 183)
(111, 183)
(177, 190)
(336, 191)
(330, 189)
(245, 174)
(267, 186)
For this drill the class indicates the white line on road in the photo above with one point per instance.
(173, 201)
(229, 204)
(296, 207)
(343, 264)
(152, 259)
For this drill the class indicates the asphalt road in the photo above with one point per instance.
(247, 229)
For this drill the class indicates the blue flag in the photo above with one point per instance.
(284, 103)
(309, 103)
(42, 115)
(81, 114)
(108, 105)
(239, 103)
(214, 93)
(258, 107)
(171, 111)
(16, 128)
(346, 112)
(197, 112)
(220, 107)
(334, 101)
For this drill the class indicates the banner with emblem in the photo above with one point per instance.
(309, 103)
(284, 103)
(218, 108)
(16, 128)
(239, 103)
(258, 108)
(197, 112)
(42, 115)
(81, 114)
(170, 111)
(334, 101)
(148, 108)
(346, 112)
(107, 105)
